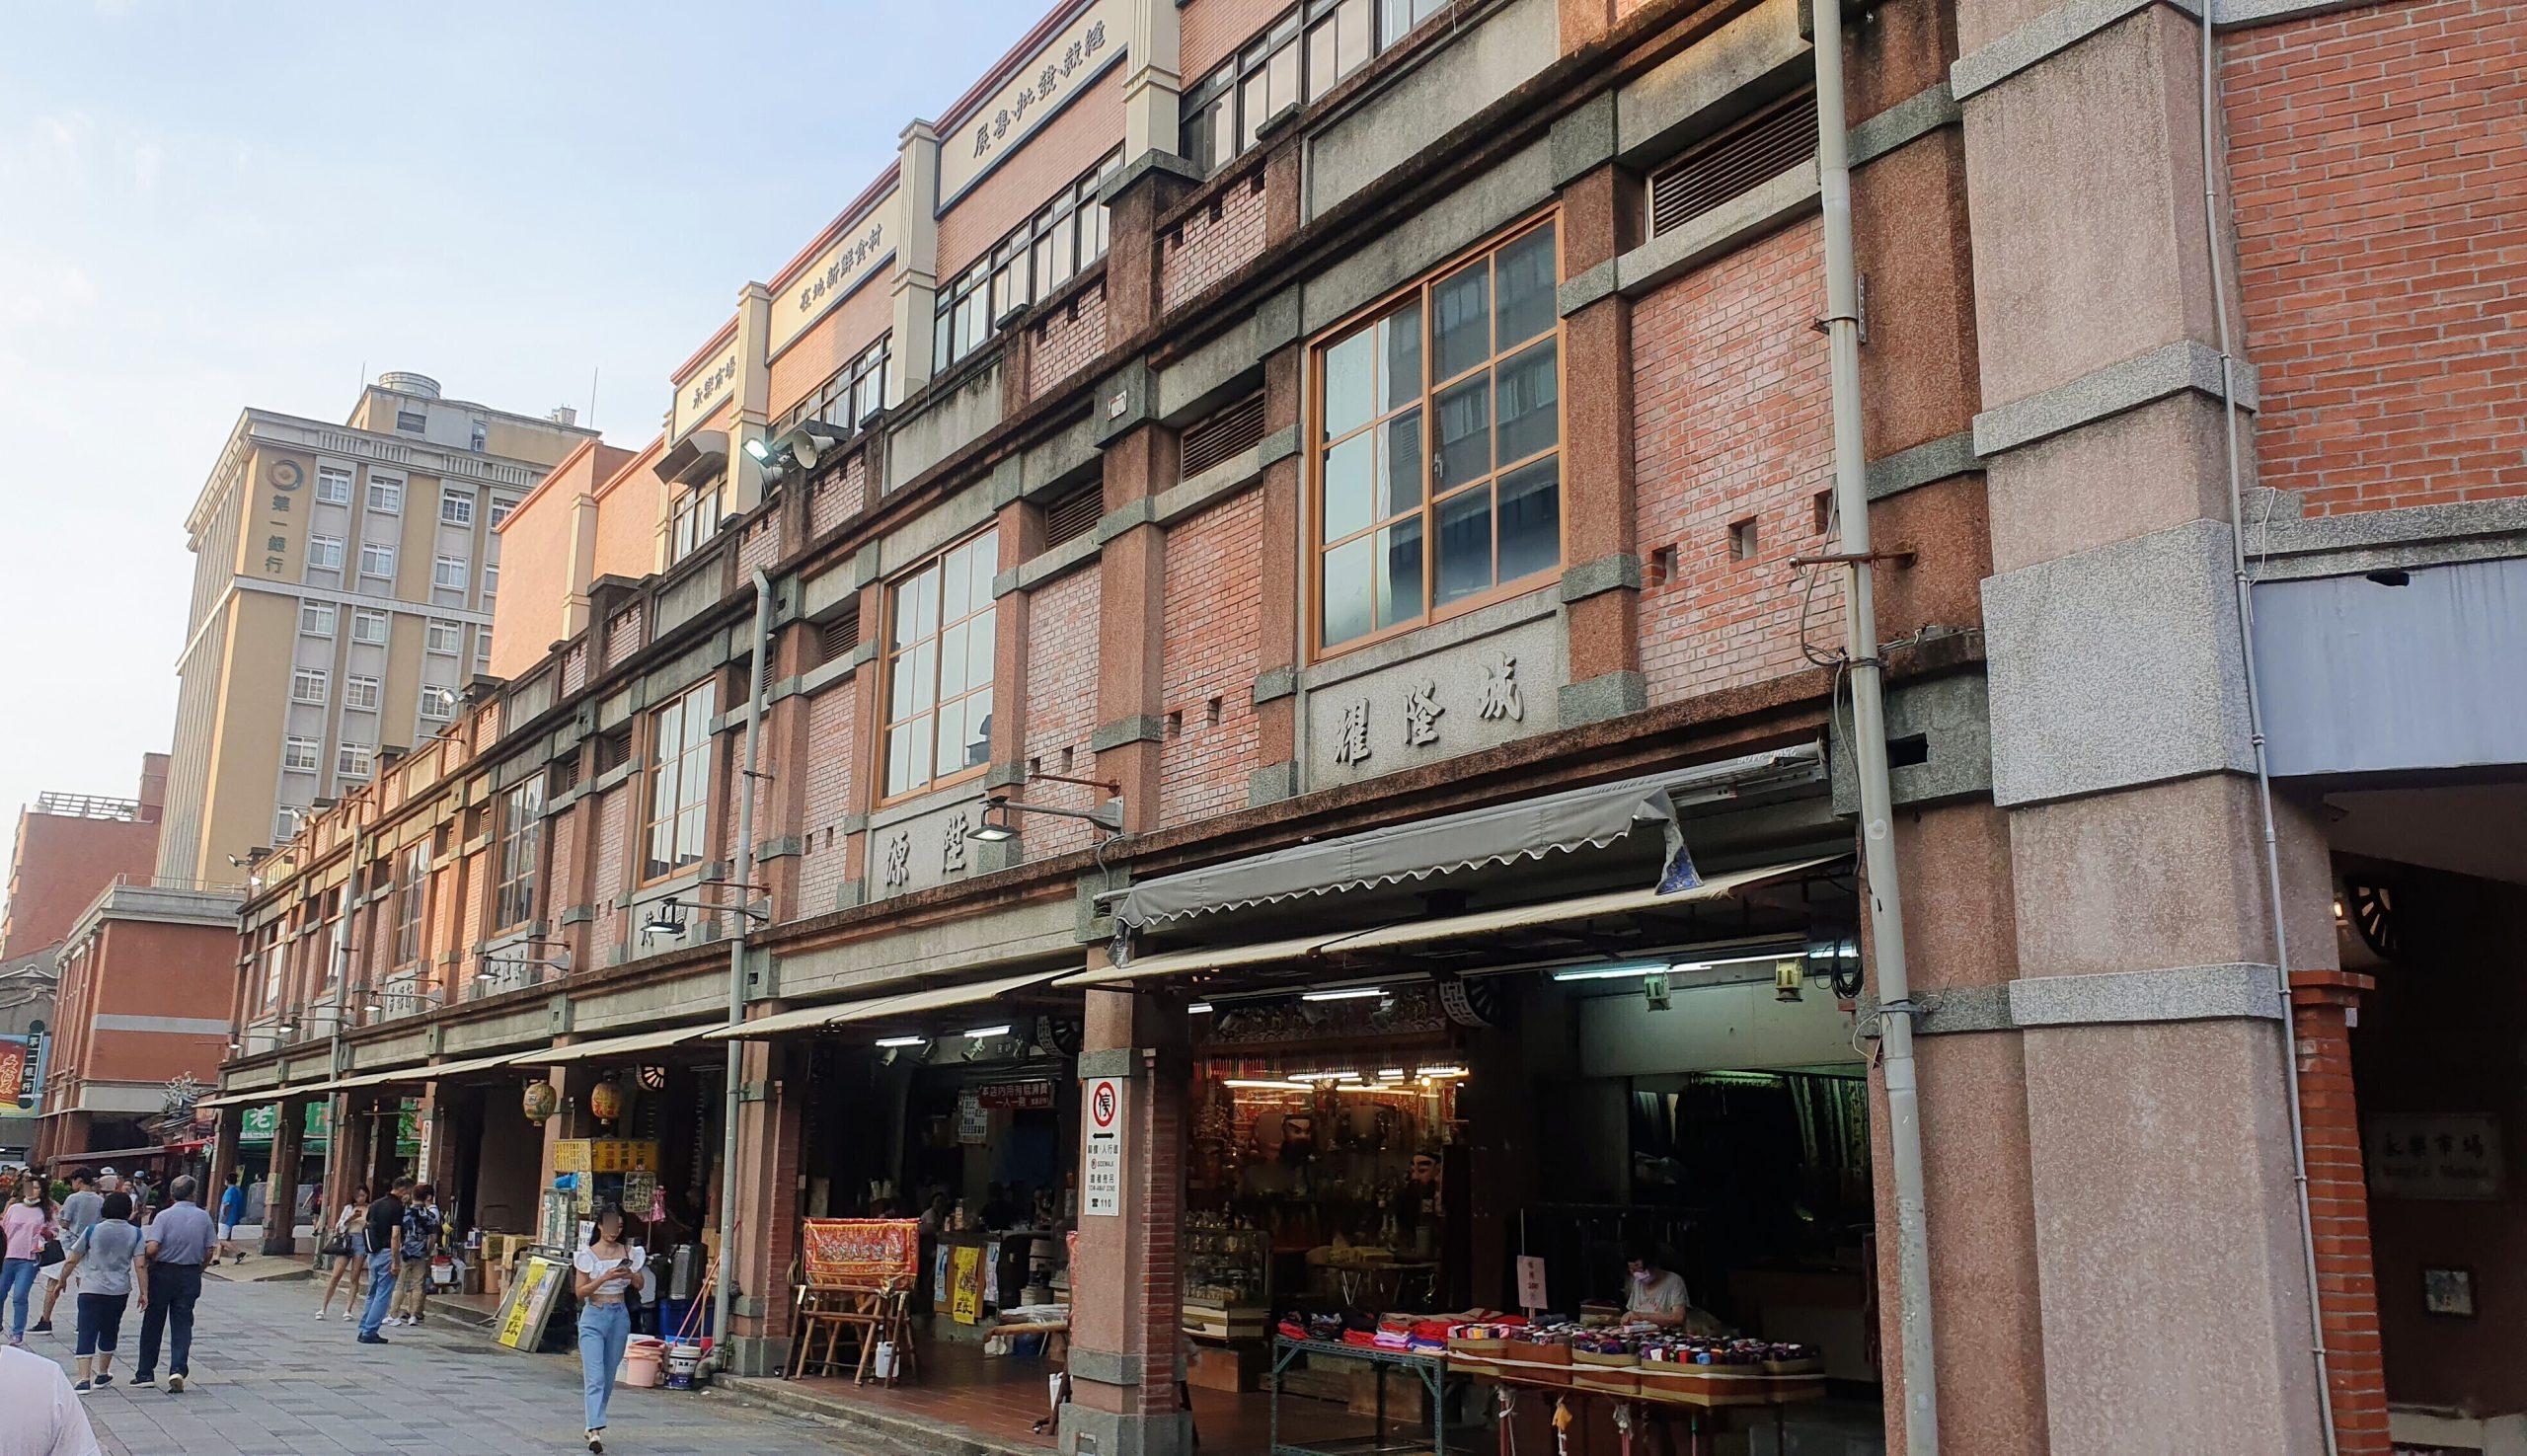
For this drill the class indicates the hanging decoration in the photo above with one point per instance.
(540, 1102)
(605, 1101)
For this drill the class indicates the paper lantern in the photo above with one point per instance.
(605, 1100)
(541, 1101)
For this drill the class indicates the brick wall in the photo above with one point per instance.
(2338, 1208)
(1211, 31)
(762, 544)
(555, 892)
(825, 849)
(1732, 421)
(837, 497)
(622, 636)
(1213, 626)
(1212, 242)
(1055, 156)
(1061, 705)
(575, 669)
(611, 880)
(1066, 340)
(2381, 196)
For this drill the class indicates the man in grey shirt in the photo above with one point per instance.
(79, 1212)
(180, 1242)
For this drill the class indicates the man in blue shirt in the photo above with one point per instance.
(232, 1212)
(180, 1241)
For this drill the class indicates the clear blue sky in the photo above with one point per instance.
(206, 206)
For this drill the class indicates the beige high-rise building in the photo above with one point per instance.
(344, 580)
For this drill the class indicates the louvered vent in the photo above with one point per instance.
(836, 640)
(1223, 433)
(1074, 515)
(1735, 162)
(613, 751)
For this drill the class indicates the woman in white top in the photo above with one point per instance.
(350, 1229)
(606, 1270)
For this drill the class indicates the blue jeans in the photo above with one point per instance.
(17, 1278)
(604, 1329)
(173, 1289)
(381, 1290)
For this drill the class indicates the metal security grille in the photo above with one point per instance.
(1733, 163)
(1225, 433)
(1074, 515)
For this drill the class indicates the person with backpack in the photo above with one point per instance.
(423, 1223)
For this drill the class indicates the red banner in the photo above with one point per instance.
(860, 1252)
(1037, 1093)
(13, 1072)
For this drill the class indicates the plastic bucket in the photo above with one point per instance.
(644, 1363)
(682, 1361)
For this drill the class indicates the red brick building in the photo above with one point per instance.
(70, 846)
(1327, 500)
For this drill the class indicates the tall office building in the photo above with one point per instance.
(342, 591)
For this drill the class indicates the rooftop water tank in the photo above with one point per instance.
(419, 386)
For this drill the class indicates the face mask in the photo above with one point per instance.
(1644, 1277)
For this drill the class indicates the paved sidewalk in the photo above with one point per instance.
(269, 1380)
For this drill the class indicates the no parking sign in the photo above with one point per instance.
(1101, 1170)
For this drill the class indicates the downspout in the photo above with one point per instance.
(723, 1296)
(337, 1104)
(2244, 583)
(1869, 748)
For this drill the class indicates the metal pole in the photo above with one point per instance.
(337, 1104)
(1868, 749)
(723, 1296)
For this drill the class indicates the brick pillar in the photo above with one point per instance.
(289, 1136)
(2322, 1003)
(766, 1238)
(1140, 462)
(1139, 195)
(1602, 579)
(1283, 574)
(1127, 1288)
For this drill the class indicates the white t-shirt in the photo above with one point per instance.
(589, 1262)
(1664, 1294)
(46, 1418)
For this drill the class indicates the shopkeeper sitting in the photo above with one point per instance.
(1658, 1295)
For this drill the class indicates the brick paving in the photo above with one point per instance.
(269, 1380)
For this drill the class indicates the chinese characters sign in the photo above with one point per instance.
(857, 256)
(1067, 65)
(700, 393)
(274, 499)
(2442, 1155)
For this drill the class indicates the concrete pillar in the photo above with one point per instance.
(289, 1137)
(751, 420)
(1602, 581)
(1153, 84)
(916, 277)
(1127, 1286)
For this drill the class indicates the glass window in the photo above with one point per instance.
(350, 760)
(376, 559)
(447, 572)
(368, 626)
(333, 485)
(1067, 235)
(1438, 464)
(939, 666)
(445, 637)
(438, 703)
(501, 505)
(412, 888)
(693, 517)
(386, 495)
(361, 693)
(856, 391)
(455, 508)
(324, 552)
(316, 617)
(302, 754)
(679, 780)
(522, 836)
(307, 685)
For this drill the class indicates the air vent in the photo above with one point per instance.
(1224, 432)
(561, 778)
(613, 751)
(1735, 162)
(837, 639)
(1074, 515)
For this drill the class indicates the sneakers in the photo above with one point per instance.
(83, 1387)
(596, 1444)
(144, 1380)
(105, 1378)
(175, 1385)
(347, 1317)
(40, 1326)
(374, 1340)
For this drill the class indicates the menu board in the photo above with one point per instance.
(530, 1302)
(860, 1252)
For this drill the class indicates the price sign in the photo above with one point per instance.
(1530, 1283)
(1101, 1170)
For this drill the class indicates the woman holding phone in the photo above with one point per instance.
(606, 1270)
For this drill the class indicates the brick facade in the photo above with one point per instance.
(824, 853)
(1213, 641)
(2381, 195)
(836, 496)
(1212, 241)
(1062, 705)
(2338, 1207)
(1731, 423)
(1069, 335)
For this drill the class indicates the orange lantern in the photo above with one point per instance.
(605, 1100)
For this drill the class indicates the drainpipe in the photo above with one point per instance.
(337, 1104)
(1869, 748)
(724, 1298)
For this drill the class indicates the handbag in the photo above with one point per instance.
(50, 1255)
(338, 1246)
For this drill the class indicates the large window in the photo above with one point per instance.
(333, 485)
(692, 518)
(1438, 474)
(856, 391)
(939, 665)
(324, 552)
(316, 617)
(1040, 255)
(1296, 60)
(307, 685)
(378, 559)
(522, 835)
(412, 886)
(679, 780)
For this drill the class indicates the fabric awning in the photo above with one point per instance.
(586, 1051)
(874, 1008)
(247, 1099)
(1577, 818)
(1426, 932)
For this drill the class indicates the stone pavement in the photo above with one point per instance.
(269, 1380)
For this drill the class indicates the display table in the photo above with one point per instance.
(1638, 1392)
(1430, 1369)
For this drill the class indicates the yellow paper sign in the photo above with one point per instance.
(530, 1301)
(965, 1285)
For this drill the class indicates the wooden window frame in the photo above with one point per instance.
(1318, 446)
(890, 655)
(411, 903)
(685, 532)
(517, 848)
(692, 764)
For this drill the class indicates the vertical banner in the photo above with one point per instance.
(1101, 1178)
(31, 1087)
(15, 1066)
(966, 1284)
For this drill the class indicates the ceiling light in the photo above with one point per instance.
(1440, 1072)
(1199, 1008)
(758, 449)
(1610, 972)
(902, 1041)
(1389, 1074)
(1681, 967)
(1268, 1086)
(1351, 993)
(984, 1033)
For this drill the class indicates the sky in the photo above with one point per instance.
(206, 206)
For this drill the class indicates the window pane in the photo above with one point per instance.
(1349, 486)
(1347, 573)
(688, 837)
(1529, 402)
(671, 732)
(1465, 433)
(1461, 321)
(978, 649)
(1323, 67)
(1253, 100)
(700, 707)
(925, 604)
(951, 739)
(982, 560)
(1400, 581)
(1402, 356)
(958, 584)
(1222, 128)
(899, 687)
(1465, 546)
(921, 664)
(977, 729)
(1526, 285)
(1531, 518)
(1285, 78)
(1354, 19)
(1403, 465)
(952, 660)
(1350, 383)
(901, 747)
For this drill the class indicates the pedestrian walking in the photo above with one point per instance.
(417, 1246)
(110, 1250)
(385, 1236)
(348, 1247)
(174, 1247)
(45, 1417)
(232, 1212)
(26, 1226)
(606, 1270)
(83, 1208)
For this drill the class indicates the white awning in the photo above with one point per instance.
(874, 1008)
(585, 1051)
(428, 1073)
(1424, 932)
(1500, 834)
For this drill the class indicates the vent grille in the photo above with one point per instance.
(1735, 162)
(1074, 515)
(613, 751)
(837, 639)
(1225, 433)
